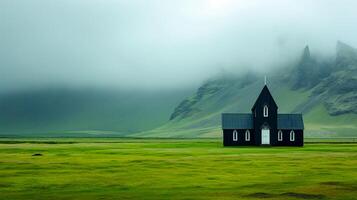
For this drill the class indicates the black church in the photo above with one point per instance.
(263, 126)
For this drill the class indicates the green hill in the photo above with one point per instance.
(85, 112)
(325, 91)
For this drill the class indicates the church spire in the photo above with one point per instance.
(265, 80)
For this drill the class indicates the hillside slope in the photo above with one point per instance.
(84, 112)
(324, 91)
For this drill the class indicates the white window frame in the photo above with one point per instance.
(235, 135)
(292, 136)
(247, 135)
(280, 135)
(265, 111)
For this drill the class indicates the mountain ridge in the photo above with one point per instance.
(325, 91)
(313, 87)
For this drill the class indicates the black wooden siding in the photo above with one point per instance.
(228, 138)
(256, 121)
(299, 138)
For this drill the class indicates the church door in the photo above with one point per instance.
(265, 136)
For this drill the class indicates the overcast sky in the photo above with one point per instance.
(155, 44)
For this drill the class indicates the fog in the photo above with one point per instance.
(160, 44)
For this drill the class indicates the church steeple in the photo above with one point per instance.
(265, 113)
(265, 97)
(265, 80)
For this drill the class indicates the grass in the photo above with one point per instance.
(319, 123)
(174, 169)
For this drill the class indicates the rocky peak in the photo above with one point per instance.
(306, 59)
(306, 54)
(304, 73)
(190, 106)
(346, 56)
(343, 50)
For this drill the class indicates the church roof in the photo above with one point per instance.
(245, 121)
(237, 121)
(290, 121)
(265, 96)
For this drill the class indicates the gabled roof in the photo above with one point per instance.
(237, 121)
(290, 121)
(265, 91)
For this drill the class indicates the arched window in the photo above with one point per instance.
(265, 111)
(292, 136)
(235, 135)
(280, 135)
(247, 135)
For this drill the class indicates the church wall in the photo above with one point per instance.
(228, 137)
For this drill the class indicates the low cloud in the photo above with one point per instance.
(160, 44)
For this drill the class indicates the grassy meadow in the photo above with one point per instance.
(173, 169)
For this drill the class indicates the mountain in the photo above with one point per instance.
(309, 71)
(325, 91)
(61, 111)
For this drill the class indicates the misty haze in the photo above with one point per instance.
(124, 66)
(178, 99)
(160, 44)
(139, 68)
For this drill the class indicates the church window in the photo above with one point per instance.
(235, 135)
(247, 135)
(265, 111)
(292, 136)
(280, 135)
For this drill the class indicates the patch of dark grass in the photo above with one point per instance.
(5, 185)
(39, 187)
(255, 185)
(332, 183)
(303, 195)
(261, 195)
(264, 195)
(341, 185)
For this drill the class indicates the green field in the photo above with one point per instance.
(173, 169)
